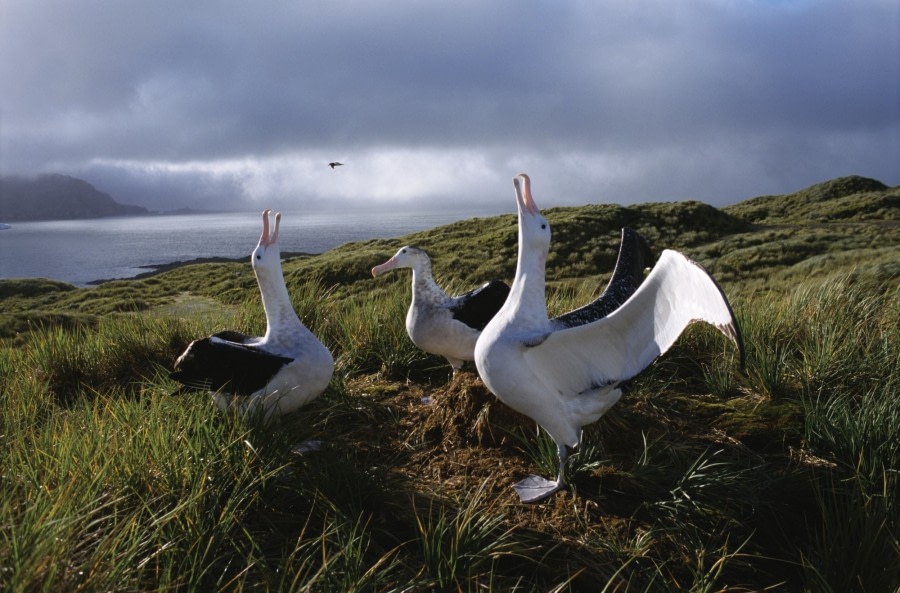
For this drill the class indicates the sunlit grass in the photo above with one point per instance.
(705, 477)
(110, 481)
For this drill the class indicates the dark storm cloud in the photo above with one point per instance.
(219, 102)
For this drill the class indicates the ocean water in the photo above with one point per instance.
(83, 251)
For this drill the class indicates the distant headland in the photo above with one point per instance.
(57, 197)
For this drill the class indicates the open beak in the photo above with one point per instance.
(266, 240)
(524, 200)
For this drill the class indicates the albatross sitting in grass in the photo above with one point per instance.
(265, 376)
(564, 372)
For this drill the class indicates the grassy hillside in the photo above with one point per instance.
(840, 200)
(782, 477)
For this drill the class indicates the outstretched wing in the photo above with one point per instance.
(677, 292)
(223, 362)
(627, 276)
(477, 307)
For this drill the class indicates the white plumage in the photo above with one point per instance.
(564, 372)
(265, 376)
(440, 324)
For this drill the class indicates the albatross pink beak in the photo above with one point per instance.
(382, 268)
(524, 200)
(265, 239)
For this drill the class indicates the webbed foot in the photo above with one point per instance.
(535, 488)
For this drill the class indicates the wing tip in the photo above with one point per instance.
(731, 329)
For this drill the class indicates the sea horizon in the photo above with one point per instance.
(85, 252)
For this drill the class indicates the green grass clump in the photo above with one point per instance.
(111, 482)
(120, 352)
(117, 494)
(705, 477)
(461, 542)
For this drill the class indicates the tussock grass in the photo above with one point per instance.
(782, 476)
(461, 542)
(370, 339)
(110, 482)
(117, 353)
(115, 493)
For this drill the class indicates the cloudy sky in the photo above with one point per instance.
(225, 104)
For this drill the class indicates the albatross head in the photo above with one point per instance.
(534, 230)
(266, 258)
(406, 257)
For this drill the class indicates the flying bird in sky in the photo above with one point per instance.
(335, 164)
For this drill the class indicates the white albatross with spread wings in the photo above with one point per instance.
(564, 372)
(438, 323)
(265, 376)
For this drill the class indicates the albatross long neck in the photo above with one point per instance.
(280, 314)
(423, 283)
(527, 300)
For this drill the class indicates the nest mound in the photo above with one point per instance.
(464, 413)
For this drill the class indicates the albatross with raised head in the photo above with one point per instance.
(265, 376)
(564, 372)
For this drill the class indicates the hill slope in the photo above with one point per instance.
(57, 197)
(746, 246)
(851, 198)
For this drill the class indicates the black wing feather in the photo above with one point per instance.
(477, 307)
(627, 276)
(228, 367)
(233, 336)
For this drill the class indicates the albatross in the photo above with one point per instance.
(564, 372)
(440, 324)
(269, 375)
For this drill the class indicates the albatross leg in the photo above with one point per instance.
(535, 488)
(456, 364)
